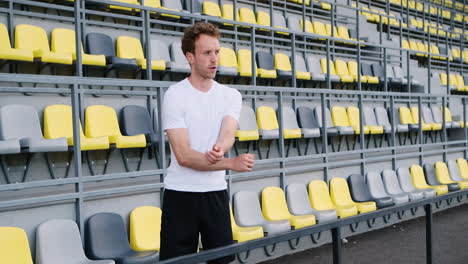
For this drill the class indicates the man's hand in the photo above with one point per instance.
(215, 154)
(243, 163)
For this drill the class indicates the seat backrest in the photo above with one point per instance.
(14, 246)
(101, 120)
(405, 179)
(266, 118)
(366, 69)
(129, 48)
(418, 177)
(19, 121)
(398, 71)
(415, 114)
(369, 116)
(293, 24)
(313, 64)
(319, 28)
(318, 117)
(282, 62)
(289, 118)
(172, 4)
(359, 189)
(376, 185)
(29, 37)
(354, 117)
(300, 63)
(135, 120)
(159, 50)
(244, 62)
(246, 15)
(145, 228)
(463, 168)
(442, 173)
(63, 40)
(306, 118)
(437, 113)
(227, 57)
(339, 192)
(279, 20)
(59, 241)
(323, 66)
(405, 116)
(58, 122)
(381, 116)
(176, 53)
(391, 183)
(339, 116)
(429, 172)
(427, 115)
(353, 69)
(263, 18)
(378, 70)
(390, 72)
(106, 236)
(319, 195)
(298, 199)
(342, 68)
(307, 27)
(227, 11)
(343, 32)
(211, 9)
(99, 44)
(4, 37)
(247, 209)
(274, 206)
(454, 171)
(265, 60)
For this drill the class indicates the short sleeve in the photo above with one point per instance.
(173, 111)
(235, 103)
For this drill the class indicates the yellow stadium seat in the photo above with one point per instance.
(117, 7)
(101, 121)
(353, 116)
(130, 48)
(456, 53)
(339, 116)
(274, 208)
(339, 193)
(405, 44)
(319, 28)
(443, 175)
(14, 246)
(342, 71)
(63, 41)
(425, 126)
(242, 234)
(435, 50)
(227, 12)
(145, 228)
(211, 9)
(246, 15)
(34, 38)
(266, 119)
(460, 83)
(58, 123)
(448, 117)
(309, 28)
(283, 63)
(244, 63)
(353, 70)
(8, 53)
(263, 19)
(247, 129)
(328, 28)
(227, 58)
(320, 200)
(343, 33)
(419, 181)
(463, 168)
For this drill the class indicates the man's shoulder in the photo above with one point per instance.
(177, 86)
(228, 90)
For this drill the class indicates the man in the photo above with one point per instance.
(200, 118)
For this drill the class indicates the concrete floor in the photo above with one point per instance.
(403, 243)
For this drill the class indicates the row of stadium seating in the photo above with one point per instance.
(452, 54)
(58, 240)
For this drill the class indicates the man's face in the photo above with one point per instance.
(204, 60)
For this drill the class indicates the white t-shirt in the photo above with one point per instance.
(202, 114)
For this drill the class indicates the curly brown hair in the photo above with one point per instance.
(192, 33)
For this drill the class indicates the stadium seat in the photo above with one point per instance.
(353, 70)
(307, 26)
(246, 15)
(383, 120)
(323, 66)
(429, 118)
(130, 48)
(283, 66)
(454, 171)
(11, 146)
(307, 122)
(266, 65)
(333, 129)
(290, 128)
(341, 197)
(426, 126)
(247, 213)
(211, 9)
(399, 74)
(370, 121)
(63, 41)
(9, 53)
(247, 127)
(293, 24)
(173, 5)
(366, 70)
(22, 122)
(360, 192)
(319, 29)
(101, 121)
(136, 120)
(352, 113)
(263, 19)
(448, 117)
(34, 38)
(299, 204)
(274, 208)
(279, 22)
(340, 117)
(320, 200)
(419, 181)
(438, 118)
(313, 66)
(106, 236)
(460, 83)
(241, 233)
(227, 63)
(392, 186)
(354, 119)
(451, 83)
(444, 177)
(58, 123)
(432, 179)
(178, 62)
(160, 52)
(14, 246)
(377, 189)
(343, 33)
(145, 228)
(101, 44)
(463, 168)
(59, 241)
(267, 122)
(406, 118)
(244, 63)
(124, 8)
(343, 72)
(301, 69)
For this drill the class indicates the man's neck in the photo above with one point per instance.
(199, 83)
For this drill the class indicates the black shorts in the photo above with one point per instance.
(187, 214)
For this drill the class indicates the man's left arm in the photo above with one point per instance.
(225, 140)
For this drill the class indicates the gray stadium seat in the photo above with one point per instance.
(265, 61)
(370, 117)
(101, 44)
(59, 241)
(278, 20)
(160, 51)
(392, 186)
(383, 120)
(396, 117)
(247, 212)
(247, 119)
(293, 24)
(401, 75)
(22, 122)
(173, 4)
(313, 66)
(406, 183)
(391, 75)
(360, 192)
(437, 114)
(299, 204)
(427, 115)
(430, 174)
(300, 63)
(378, 71)
(289, 118)
(307, 122)
(331, 130)
(135, 120)
(106, 236)
(366, 70)
(178, 61)
(377, 189)
(453, 171)
(9, 146)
